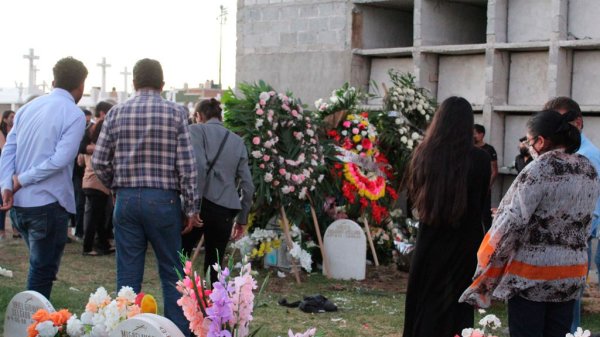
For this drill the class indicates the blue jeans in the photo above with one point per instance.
(44, 230)
(145, 215)
(533, 319)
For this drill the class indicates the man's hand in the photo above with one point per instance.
(191, 222)
(7, 200)
(238, 231)
(16, 184)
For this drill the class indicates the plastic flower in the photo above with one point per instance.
(46, 329)
(74, 327)
(127, 293)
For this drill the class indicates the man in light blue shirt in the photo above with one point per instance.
(36, 170)
(592, 153)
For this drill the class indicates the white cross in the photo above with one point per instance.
(32, 69)
(126, 84)
(103, 65)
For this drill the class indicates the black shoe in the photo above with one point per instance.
(106, 251)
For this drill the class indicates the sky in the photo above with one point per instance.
(182, 34)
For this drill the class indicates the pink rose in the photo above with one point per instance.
(262, 166)
(295, 178)
(282, 171)
(292, 189)
(355, 131)
(347, 124)
(260, 112)
(256, 140)
(262, 102)
(266, 157)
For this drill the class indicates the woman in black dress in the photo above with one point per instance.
(447, 181)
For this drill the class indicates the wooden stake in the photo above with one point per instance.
(319, 239)
(288, 239)
(197, 251)
(370, 239)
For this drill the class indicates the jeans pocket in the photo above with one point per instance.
(36, 225)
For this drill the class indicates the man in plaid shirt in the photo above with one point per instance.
(144, 155)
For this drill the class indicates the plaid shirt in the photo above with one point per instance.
(145, 143)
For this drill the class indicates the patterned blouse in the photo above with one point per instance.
(536, 247)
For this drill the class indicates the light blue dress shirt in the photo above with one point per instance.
(41, 148)
(591, 152)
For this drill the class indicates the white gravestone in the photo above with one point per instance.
(346, 249)
(20, 309)
(147, 325)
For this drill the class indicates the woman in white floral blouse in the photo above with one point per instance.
(535, 254)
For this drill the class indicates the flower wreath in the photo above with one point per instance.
(285, 153)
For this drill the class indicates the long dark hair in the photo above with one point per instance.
(3, 125)
(437, 176)
(556, 129)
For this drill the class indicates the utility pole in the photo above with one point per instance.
(222, 19)
(32, 69)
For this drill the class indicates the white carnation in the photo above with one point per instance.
(404, 140)
(490, 321)
(74, 327)
(344, 133)
(99, 297)
(127, 293)
(256, 154)
(259, 123)
(268, 177)
(415, 136)
(46, 329)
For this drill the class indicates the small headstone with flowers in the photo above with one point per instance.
(20, 309)
(147, 325)
(346, 248)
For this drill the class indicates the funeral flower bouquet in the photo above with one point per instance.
(362, 170)
(102, 313)
(342, 101)
(46, 324)
(285, 155)
(226, 309)
(406, 113)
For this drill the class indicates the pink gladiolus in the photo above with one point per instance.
(256, 140)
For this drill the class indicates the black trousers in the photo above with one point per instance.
(95, 220)
(218, 223)
(539, 319)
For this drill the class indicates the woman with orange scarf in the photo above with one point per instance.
(535, 254)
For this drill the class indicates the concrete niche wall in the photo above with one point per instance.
(529, 20)
(446, 22)
(586, 72)
(386, 27)
(462, 75)
(528, 83)
(583, 19)
(379, 74)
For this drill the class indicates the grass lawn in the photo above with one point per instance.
(374, 307)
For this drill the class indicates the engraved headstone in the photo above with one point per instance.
(147, 325)
(19, 310)
(346, 248)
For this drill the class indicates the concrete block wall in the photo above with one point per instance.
(299, 45)
(507, 57)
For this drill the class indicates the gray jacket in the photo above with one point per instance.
(230, 173)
